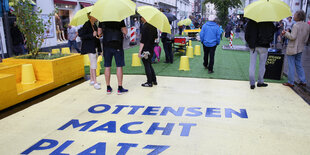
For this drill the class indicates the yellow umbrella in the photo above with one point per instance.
(187, 21)
(154, 17)
(267, 11)
(13, 3)
(113, 10)
(180, 23)
(81, 16)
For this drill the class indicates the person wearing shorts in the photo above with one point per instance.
(90, 46)
(113, 35)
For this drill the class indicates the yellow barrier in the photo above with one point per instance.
(28, 76)
(135, 60)
(55, 51)
(184, 63)
(197, 50)
(65, 50)
(86, 60)
(190, 52)
(190, 42)
(98, 68)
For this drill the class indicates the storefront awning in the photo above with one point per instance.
(84, 4)
(65, 2)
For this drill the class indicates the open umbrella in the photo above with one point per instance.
(180, 23)
(113, 10)
(154, 17)
(187, 21)
(81, 16)
(267, 11)
(170, 16)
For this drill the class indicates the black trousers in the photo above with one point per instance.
(209, 51)
(149, 71)
(168, 50)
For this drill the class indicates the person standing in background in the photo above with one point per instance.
(17, 40)
(210, 37)
(146, 52)
(90, 46)
(72, 35)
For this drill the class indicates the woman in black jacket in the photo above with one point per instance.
(90, 46)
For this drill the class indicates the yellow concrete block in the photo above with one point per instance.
(28, 76)
(65, 50)
(184, 63)
(98, 68)
(86, 60)
(190, 52)
(55, 51)
(190, 43)
(197, 50)
(135, 60)
(8, 91)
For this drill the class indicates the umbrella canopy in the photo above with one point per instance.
(154, 17)
(187, 21)
(113, 10)
(180, 23)
(267, 11)
(81, 16)
(170, 16)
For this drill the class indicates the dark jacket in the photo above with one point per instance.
(259, 34)
(89, 42)
(17, 36)
(148, 36)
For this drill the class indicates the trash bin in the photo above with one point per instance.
(274, 65)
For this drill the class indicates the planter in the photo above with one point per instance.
(49, 74)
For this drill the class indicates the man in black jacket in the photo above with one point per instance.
(258, 36)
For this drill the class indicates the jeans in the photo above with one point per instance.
(263, 54)
(209, 51)
(74, 44)
(168, 50)
(294, 61)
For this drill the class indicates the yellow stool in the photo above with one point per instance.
(65, 50)
(135, 60)
(99, 58)
(197, 50)
(55, 51)
(86, 60)
(190, 52)
(190, 43)
(98, 68)
(184, 63)
(28, 76)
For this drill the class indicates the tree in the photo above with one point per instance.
(222, 7)
(30, 23)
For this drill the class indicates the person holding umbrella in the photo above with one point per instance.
(90, 45)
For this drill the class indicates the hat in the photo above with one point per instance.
(212, 18)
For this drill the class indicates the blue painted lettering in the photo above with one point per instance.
(194, 111)
(229, 112)
(171, 110)
(62, 147)
(124, 148)
(186, 128)
(148, 110)
(211, 112)
(109, 127)
(99, 148)
(94, 109)
(134, 109)
(157, 149)
(119, 108)
(75, 123)
(48, 143)
(125, 128)
(166, 130)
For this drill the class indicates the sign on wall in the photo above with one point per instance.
(49, 30)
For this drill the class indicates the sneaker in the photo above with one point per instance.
(121, 91)
(210, 72)
(154, 83)
(252, 86)
(93, 82)
(109, 90)
(147, 85)
(288, 84)
(302, 84)
(97, 86)
(262, 84)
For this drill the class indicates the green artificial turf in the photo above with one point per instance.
(230, 65)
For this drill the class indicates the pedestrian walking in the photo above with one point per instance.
(228, 29)
(210, 37)
(91, 45)
(238, 30)
(146, 52)
(113, 36)
(298, 38)
(72, 35)
(258, 36)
